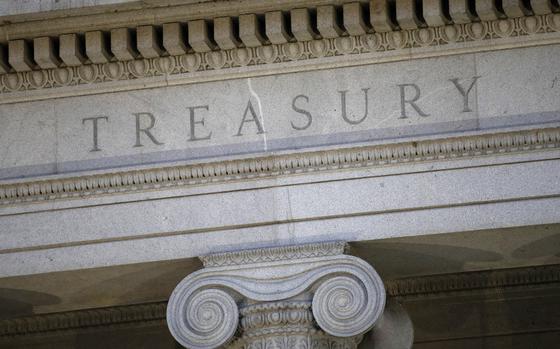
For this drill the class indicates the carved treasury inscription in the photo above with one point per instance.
(300, 111)
(377, 103)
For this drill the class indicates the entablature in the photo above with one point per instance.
(155, 46)
(63, 187)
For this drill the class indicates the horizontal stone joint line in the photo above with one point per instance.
(219, 172)
(268, 223)
(156, 312)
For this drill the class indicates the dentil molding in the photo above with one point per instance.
(424, 286)
(263, 43)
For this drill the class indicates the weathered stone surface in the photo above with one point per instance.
(407, 14)
(320, 53)
(127, 207)
(250, 31)
(20, 56)
(71, 50)
(147, 38)
(433, 13)
(44, 53)
(365, 203)
(487, 10)
(174, 38)
(327, 23)
(380, 16)
(224, 34)
(275, 25)
(459, 11)
(281, 292)
(121, 44)
(17, 7)
(301, 25)
(4, 66)
(199, 38)
(250, 115)
(97, 47)
(354, 19)
(423, 147)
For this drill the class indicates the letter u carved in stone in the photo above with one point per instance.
(308, 297)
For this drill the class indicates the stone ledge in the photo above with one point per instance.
(84, 319)
(273, 254)
(464, 282)
(135, 315)
(233, 46)
(328, 160)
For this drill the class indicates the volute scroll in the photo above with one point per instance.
(308, 294)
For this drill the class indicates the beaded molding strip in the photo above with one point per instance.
(274, 254)
(328, 160)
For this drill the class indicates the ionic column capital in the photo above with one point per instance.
(281, 290)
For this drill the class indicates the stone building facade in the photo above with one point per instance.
(264, 174)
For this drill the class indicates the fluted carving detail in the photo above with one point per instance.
(319, 300)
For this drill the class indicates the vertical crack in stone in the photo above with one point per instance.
(261, 115)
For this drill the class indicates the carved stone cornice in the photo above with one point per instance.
(119, 66)
(139, 314)
(133, 315)
(285, 302)
(23, 191)
(133, 13)
(465, 282)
